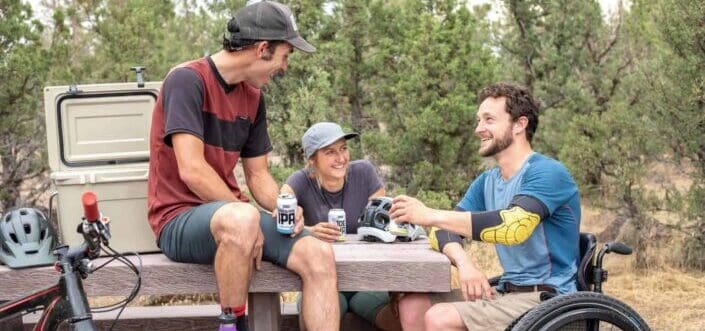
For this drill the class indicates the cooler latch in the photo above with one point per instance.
(73, 89)
(140, 80)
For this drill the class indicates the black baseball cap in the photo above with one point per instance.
(267, 20)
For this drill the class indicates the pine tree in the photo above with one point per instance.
(582, 66)
(24, 63)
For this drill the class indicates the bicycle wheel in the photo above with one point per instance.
(582, 311)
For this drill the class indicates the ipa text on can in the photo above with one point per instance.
(337, 217)
(286, 213)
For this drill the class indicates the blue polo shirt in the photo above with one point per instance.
(550, 255)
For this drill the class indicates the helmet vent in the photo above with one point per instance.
(27, 239)
(6, 249)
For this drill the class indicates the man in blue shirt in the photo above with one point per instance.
(528, 205)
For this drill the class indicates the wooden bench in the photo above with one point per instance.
(361, 266)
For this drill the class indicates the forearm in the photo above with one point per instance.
(456, 254)
(203, 181)
(263, 189)
(195, 171)
(454, 221)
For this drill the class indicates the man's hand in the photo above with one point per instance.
(325, 231)
(258, 249)
(411, 210)
(299, 221)
(473, 283)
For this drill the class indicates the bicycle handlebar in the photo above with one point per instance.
(90, 207)
(94, 228)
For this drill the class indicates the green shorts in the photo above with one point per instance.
(365, 304)
(187, 237)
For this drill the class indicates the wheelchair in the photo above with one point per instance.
(588, 309)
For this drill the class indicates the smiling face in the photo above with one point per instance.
(494, 127)
(331, 162)
(269, 65)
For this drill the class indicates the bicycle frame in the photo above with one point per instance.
(63, 301)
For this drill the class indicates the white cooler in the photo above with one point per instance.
(98, 140)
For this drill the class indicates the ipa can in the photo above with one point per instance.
(286, 213)
(337, 217)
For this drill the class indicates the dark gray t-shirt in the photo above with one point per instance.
(362, 181)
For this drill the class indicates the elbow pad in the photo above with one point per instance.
(510, 226)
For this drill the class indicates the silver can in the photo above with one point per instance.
(286, 213)
(337, 217)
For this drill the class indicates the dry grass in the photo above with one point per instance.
(667, 298)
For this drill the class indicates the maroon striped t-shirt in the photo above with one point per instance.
(229, 119)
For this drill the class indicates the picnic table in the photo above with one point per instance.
(361, 266)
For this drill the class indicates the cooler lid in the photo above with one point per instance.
(99, 126)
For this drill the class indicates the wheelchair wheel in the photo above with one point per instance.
(587, 311)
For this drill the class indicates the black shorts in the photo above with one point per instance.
(187, 237)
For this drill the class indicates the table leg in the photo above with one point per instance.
(264, 311)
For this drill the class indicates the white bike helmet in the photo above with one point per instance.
(27, 239)
(375, 224)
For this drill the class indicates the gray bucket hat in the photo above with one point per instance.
(267, 20)
(321, 135)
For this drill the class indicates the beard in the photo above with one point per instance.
(278, 75)
(497, 145)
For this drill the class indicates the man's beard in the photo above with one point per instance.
(278, 75)
(497, 145)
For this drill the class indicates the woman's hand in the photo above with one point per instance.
(325, 231)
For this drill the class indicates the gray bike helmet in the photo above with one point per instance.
(27, 239)
(373, 224)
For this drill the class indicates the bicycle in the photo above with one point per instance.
(66, 300)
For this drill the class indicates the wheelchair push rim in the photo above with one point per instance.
(565, 312)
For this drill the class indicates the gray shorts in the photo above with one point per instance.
(187, 237)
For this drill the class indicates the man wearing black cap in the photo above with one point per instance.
(209, 114)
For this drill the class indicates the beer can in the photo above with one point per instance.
(337, 217)
(286, 213)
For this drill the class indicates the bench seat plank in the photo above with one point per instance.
(403, 267)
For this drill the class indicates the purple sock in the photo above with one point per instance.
(227, 327)
(227, 321)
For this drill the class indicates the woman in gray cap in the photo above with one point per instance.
(331, 181)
